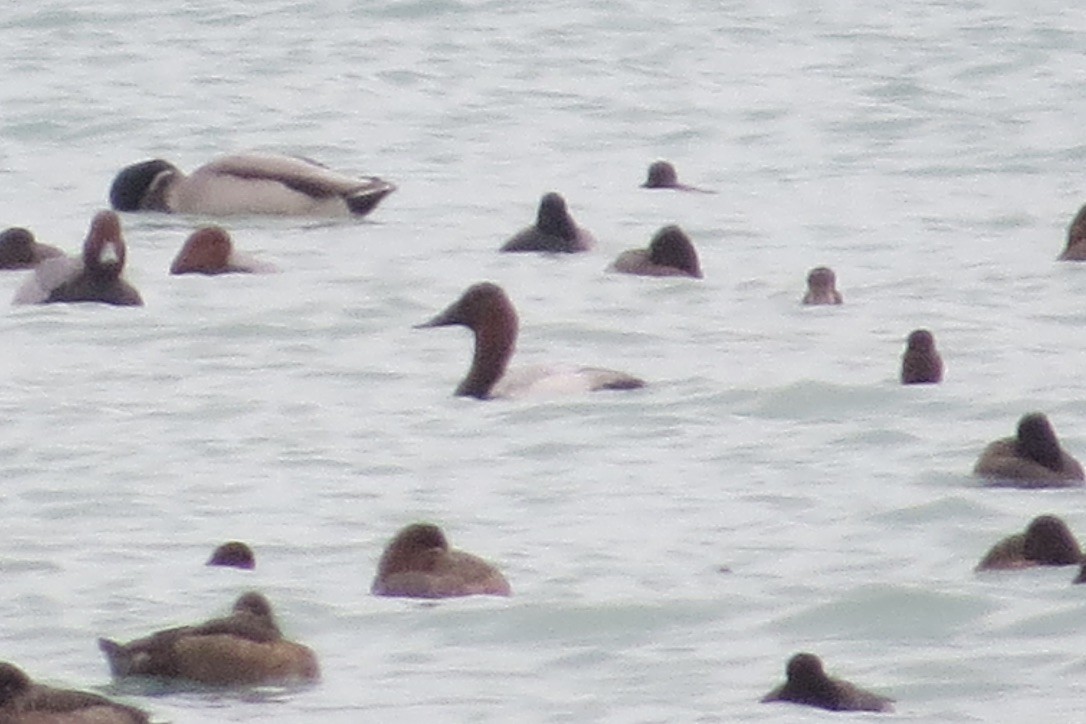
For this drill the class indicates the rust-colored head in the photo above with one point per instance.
(206, 251)
(103, 249)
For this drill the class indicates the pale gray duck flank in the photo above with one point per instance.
(249, 183)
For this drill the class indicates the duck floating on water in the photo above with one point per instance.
(486, 310)
(247, 183)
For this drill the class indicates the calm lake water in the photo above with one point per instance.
(932, 153)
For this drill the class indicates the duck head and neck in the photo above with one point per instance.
(486, 310)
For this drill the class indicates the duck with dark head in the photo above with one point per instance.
(921, 363)
(662, 175)
(96, 277)
(554, 230)
(243, 648)
(246, 183)
(822, 287)
(1047, 541)
(418, 563)
(486, 310)
(1031, 459)
(670, 254)
(20, 250)
(809, 685)
(23, 701)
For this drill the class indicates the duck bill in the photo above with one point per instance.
(447, 318)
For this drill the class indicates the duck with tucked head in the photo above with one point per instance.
(1047, 541)
(809, 685)
(670, 254)
(662, 175)
(94, 278)
(921, 363)
(1031, 459)
(247, 183)
(418, 563)
(210, 251)
(243, 648)
(487, 312)
(233, 554)
(19, 249)
(23, 701)
(554, 230)
(1076, 238)
(822, 287)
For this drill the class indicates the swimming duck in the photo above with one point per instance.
(233, 554)
(418, 563)
(1031, 459)
(670, 253)
(1047, 541)
(921, 363)
(94, 278)
(245, 647)
(19, 249)
(23, 701)
(487, 312)
(1076, 238)
(662, 175)
(809, 685)
(209, 250)
(554, 230)
(247, 183)
(822, 287)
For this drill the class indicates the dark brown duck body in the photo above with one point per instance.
(921, 363)
(1075, 250)
(419, 563)
(94, 278)
(19, 249)
(1031, 459)
(809, 685)
(233, 554)
(554, 230)
(245, 647)
(662, 175)
(822, 287)
(670, 254)
(1047, 541)
(23, 701)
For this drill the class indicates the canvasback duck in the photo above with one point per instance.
(245, 647)
(487, 312)
(23, 701)
(1047, 541)
(1076, 238)
(418, 563)
(670, 254)
(554, 230)
(210, 251)
(20, 250)
(233, 554)
(921, 363)
(822, 287)
(247, 183)
(94, 278)
(809, 685)
(662, 175)
(1032, 459)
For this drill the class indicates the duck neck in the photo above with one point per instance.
(494, 343)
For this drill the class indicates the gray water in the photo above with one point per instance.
(932, 153)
